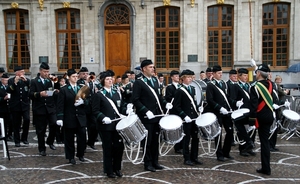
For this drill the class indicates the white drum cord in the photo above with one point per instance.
(209, 152)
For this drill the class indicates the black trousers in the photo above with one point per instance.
(41, 121)
(69, 133)
(242, 133)
(113, 148)
(91, 129)
(263, 133)
(228, 126)
(151, 156)
(191, 132)
(17, 121)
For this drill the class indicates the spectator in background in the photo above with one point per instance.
(281, 92)
(202, 75)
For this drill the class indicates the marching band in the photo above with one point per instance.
(84, 103)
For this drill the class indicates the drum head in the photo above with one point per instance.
(292, 115)
(239, 113)
(126, 122)
(170, 122)
(206, 119)
(198, 90)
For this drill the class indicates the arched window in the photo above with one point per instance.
(68, 39)
(275, 37)
(167, 38)
(220, 36)
(17, 39)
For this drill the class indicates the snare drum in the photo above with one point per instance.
(291, 119)
(239, 114)
(198, 89)
(131, 129)
(208, 125)
(171, 129)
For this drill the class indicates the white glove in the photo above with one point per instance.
(187, 119)
(59, 122)
(239, 103)
(223, 111)
(252, 62)
(106, 120)
(275, 106)
(150, 115)
(169, 106)
(129, 109)
(78, 102)
(287, 104)
(201, 109)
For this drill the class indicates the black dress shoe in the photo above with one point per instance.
(188, 162)
(51, 146)
(178, 151)
(112, 175)
(42, 153)
(252, 153)
(274, 149)
(92, 146)
(263, 172)
(229, 157)
(25, 142)
(72, 161)
(18, 145)
(158, 167)
(81, 159)
(10, 138)
(221, 159)
(118, 173)
(197, 162)
(244, 154)
(150, 168)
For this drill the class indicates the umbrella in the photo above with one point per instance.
(138, 68)
(294, 68)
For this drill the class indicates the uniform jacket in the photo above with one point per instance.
(3, 103)
(102, 108)
(41, 105)
(19, 100)
(66, 110)
(144, 100)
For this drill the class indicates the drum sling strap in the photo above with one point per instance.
(223, 94)
(155, 95)
(267, 98)
(191, 99)
(112, 105)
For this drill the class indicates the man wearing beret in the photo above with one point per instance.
(186, 108)
(218, 101)
(43, 108)
(262, 113)
(84, 79)
(240, 92)
(1, 71)
(148, 103)
(209, 75)
(19, 102)
(73, 117)
(4, 108)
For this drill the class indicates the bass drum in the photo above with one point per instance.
(200, 87)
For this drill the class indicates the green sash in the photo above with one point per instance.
(266, 95)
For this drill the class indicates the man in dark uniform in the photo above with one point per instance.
(240, 92)
(209, 75)
(84, 79)
(19, 102)
(216, 95)
(161, 84)
(262, 112)
(149, 103)
(4, 107)
(126, 89)
(169, 95)
(185, 107)
(72, 116)
(43, 108)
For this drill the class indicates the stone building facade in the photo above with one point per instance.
(118, 34)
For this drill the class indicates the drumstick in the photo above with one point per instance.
(116, 119)
(156, 115)
(240, 105)
(191, 119)
(169, 109)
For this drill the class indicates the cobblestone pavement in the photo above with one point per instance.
(26, 166)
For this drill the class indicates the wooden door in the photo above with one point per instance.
(117, 50)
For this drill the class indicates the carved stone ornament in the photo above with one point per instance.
(192, 3)
(66, 4)
(167, 2)
(41, 3)
(220, 1)
(14, 5)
